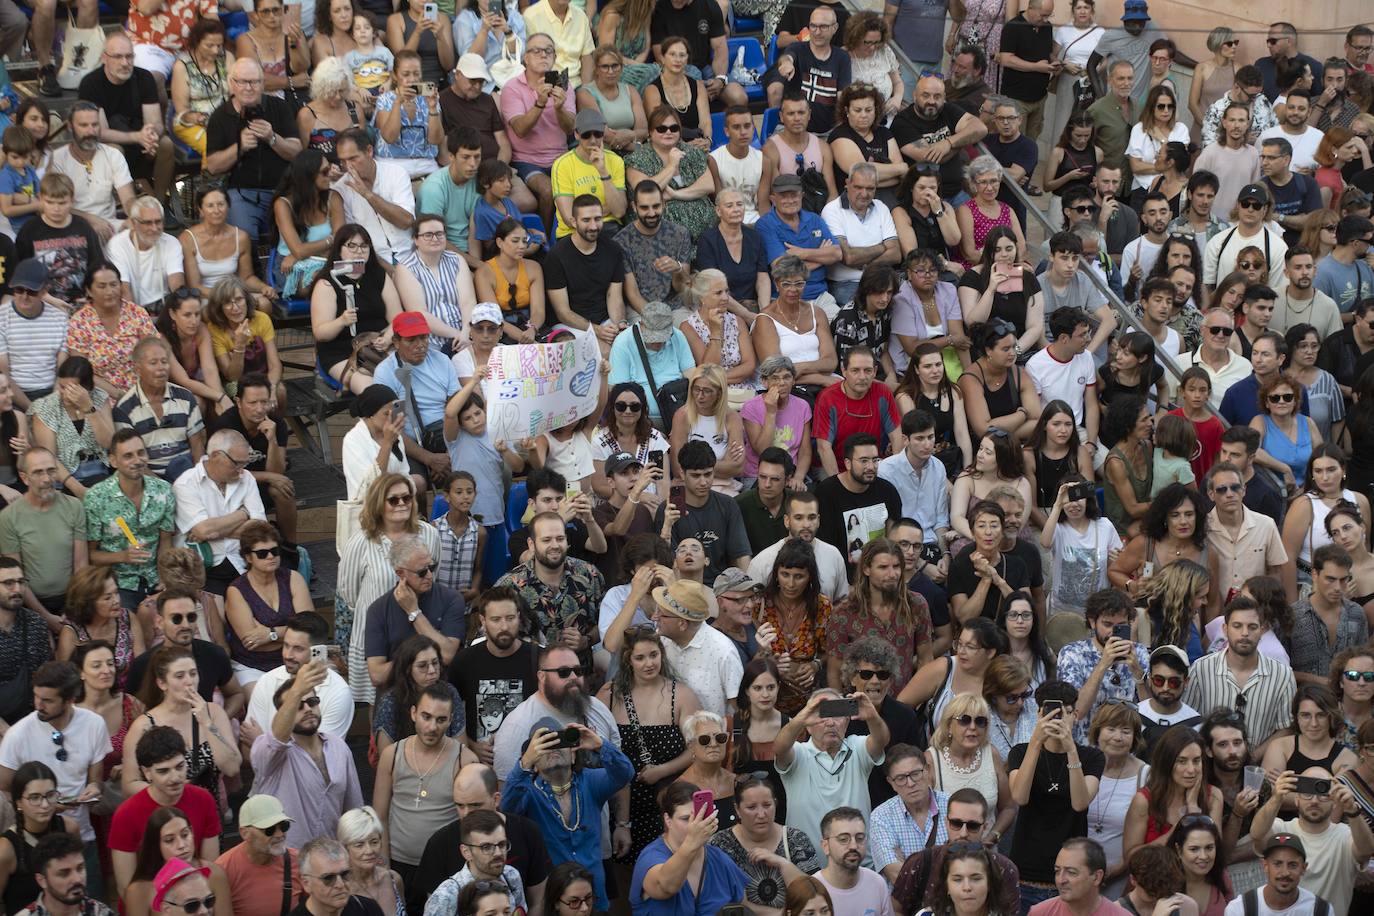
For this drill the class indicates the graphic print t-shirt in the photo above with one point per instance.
(491, 687)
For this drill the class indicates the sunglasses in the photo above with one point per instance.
(565, 672)
(1282, 398)
(1164, 106)
(262, 553)
(195, 905)
(966, 720)
(866, 675)
(330, 878)
(310, 702)
(961, 824)
(1252, 204)
(1228, 487)
(1223, 331)
(1021, 697)
(592, 134)
(189, 617)
(718, 738)
(1250, 265)
(1084, 208)
(1353, 676)
(1193, 820)
(275, 829)
(667, 129)
(403, 500)
(1329, 227)
(425, 571)
(628, 407)
(1159, 680)
(60, 740)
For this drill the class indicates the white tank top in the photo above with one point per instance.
(741, 175)
(1317, 537)
(800, 347)
(707, 429)
(572, 459)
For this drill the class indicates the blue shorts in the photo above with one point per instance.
(524, 170)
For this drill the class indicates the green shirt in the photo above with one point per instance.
(37, 537)
(106, 501)
(439, 196)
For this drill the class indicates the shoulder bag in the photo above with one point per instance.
(671, 396)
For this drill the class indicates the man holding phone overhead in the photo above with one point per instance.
(1107, 665)
(831, 770)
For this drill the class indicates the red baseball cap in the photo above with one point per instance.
(410, 324)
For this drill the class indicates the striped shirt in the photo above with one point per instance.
(441, 286)
(457, 554)
(166, 437)
(893, 833)
(1264, 702)
(32, 345)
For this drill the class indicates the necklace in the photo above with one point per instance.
(423, 792)
(680, 109)
(962, 770)
(1102, 809)
(575, 803)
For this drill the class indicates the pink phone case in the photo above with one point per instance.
(703, 801)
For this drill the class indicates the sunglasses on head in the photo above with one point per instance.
(718, 738)
(1353, 676)
(865, 674)
(966, 720)
(565, 671)
(189, 617)
(1159, 680)
(262, 553)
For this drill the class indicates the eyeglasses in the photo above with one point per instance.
(425, 571)
(356, 245)
(403, 499)
(667, 129)
(718, 738)
(194, 905)
(1222, 331)
(1020, 615)
(565, 671)
(906, 779)
(923, 271)
(431, 236)
(592, 134)
(1282, 398)
(156, 221)
(263, 553)
(628, 407)
(43, 798)
(1252, 204)
(966, 720)
(1352, 676)
(960, 824)
(275, 829)
(541, 50)
(1159, 680)
(60, 740)
(865, 674)
(488, 849)
(189, 617)
(578, 903)
(610, 68)
(309, 702)
(329, 878)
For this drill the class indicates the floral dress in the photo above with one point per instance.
(983, 27)
(635, 74)
(413, 142)
(730, 355)
(696, 216)
(807, 644)
(765, 886)
(207, 91)
(646, 746)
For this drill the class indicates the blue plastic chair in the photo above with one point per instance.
(718, 135)
(534, 223)
(516, 500)
(235, 24)
(772, 117)
(746, 24)
(753, 59)
(773, 50)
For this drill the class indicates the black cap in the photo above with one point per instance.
(1285, 841)
(620, 461)
(373, 399)
(29, 274)
(1254, 192)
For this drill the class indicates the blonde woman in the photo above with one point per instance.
(360, 831)
(717, 335)
(707, 416)
(390, 511)
(331, 110)
(1213, 78)
(961, 755)
(1174, 599)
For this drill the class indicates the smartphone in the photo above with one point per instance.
(1122, 631)
(327, 654)
(431, 11)
(1313, 785)
(1052, 706)
(67, 799)
(733, 909)
(1080, 491)
(677, 498)
(425, 89)
(569, 737)
(556, 77)
(252, 113)
(1148, 569)
(703, 802)
(846, 708)
(656, 458)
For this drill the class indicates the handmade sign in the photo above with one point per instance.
(533, 388)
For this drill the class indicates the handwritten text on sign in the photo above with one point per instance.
(533, 388)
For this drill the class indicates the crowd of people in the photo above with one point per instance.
(907, 563)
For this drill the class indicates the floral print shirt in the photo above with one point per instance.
(847, 624)
(106, 501)
(169, 26)
(576, 603)
(111, 357)
(807, 643)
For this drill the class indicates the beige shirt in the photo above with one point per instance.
(1256, 546)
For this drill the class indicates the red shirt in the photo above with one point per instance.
(131, 818)
(1209, 433)
(838, 416)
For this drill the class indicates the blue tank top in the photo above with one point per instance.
(1293, 454)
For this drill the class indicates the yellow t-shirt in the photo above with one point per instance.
(571, 176)
(572, 37)
(263, 332)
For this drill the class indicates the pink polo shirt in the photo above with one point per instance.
(546, 141)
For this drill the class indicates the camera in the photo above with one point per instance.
(1312, 785)
(1080, 491)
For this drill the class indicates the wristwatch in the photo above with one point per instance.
(412, 615)
(272, 634)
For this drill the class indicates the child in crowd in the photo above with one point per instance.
(371, 62)
(63, 241)
(1194, 392)
(494, 180)
(1175, 443)
(18, 178)
(462, 539)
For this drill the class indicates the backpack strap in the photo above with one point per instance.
(1250, 902)
(1322, 907)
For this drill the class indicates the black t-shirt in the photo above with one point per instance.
(843, 512)
(1007, 306)
(796, 19)
(820, 81)
(67, 253)
(441, 859)
(1031, 43)
(909, 127)
(874, 150)
(1109, 389)
(259, 168)
(935, 596)
(962, 579)
(609, 562)
(256, 441)
(905, 728)
(698, 23)
(491, 687)
(356, 906)
(1029, 555)
(7, 262)
(122, 103)
(587, 278)
(211, 661)
(1048, 819)
(720, 528)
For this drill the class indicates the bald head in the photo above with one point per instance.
(118, 57)
(475, 788)
(246, 81)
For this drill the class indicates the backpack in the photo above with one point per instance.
(815, 194)
(1251, 903)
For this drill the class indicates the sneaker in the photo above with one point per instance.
(47, 82)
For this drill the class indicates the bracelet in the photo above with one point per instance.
(625, 824)
(604, 177)
(1074, 766)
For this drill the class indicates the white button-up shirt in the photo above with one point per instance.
(391, 184)
(710, 665)
(924, 491)
(200, 498)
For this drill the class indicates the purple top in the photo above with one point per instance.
(265, 615)
(908, 317)
(787, 428)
